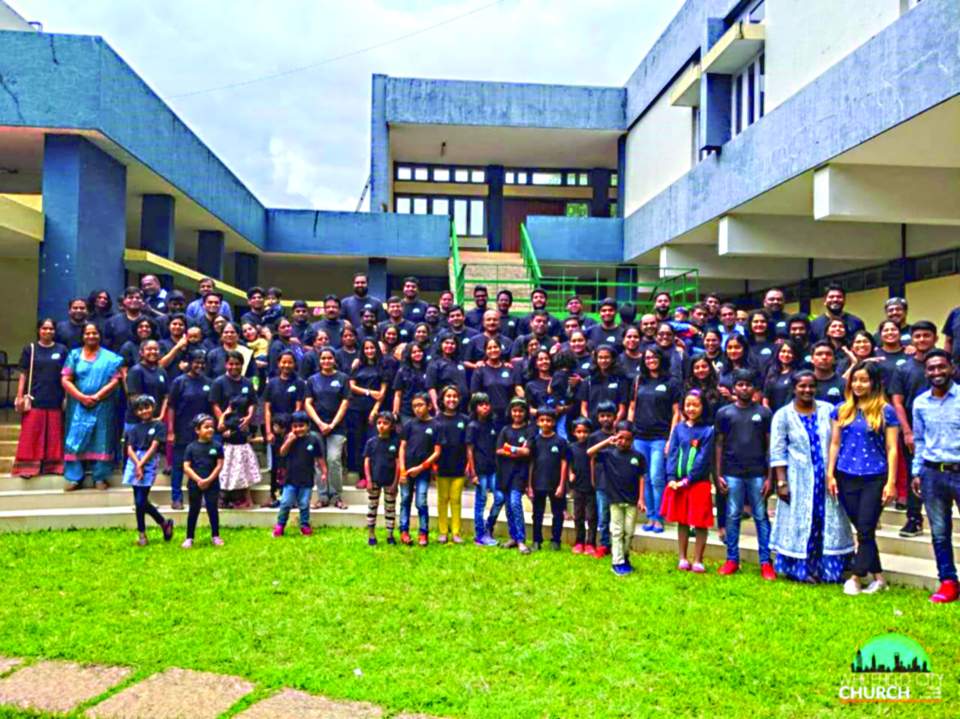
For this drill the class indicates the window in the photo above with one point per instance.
(478, 176)
(571, 178)
(747, 96)
(614, 179)
(695, 137)
(521, 178)
(547, 178)
(584, 179)
(403, 205)
(469, 215)
(461, 175)
(441, 174)
(476, 218)
(419, 205)
(421, 173)
(441, 206)
(404, 173)
(578, 209)
(509, 178)
(613, 209)
(460, 210)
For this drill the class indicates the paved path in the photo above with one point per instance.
(60, 687)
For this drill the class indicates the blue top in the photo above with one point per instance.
(691, 452)
(862, 450)
(936, 422)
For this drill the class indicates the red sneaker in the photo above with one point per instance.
(589, 550)
(422, 541)
(405, 538)
(601, 552)
(948, 592)
(729, 567)
(306, 530)
(577, 549)
(361, 484)
(766, 571)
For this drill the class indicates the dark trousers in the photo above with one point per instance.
(914, 503)
(358, 431)
(861, 499)
(198, 497)
(557, 507)
(278, 469)
(585, 516)
(143, 507)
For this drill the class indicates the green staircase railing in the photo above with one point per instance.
(529, 257)
(459, 270)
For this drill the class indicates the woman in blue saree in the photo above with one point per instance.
(811, 534)
(90, 375)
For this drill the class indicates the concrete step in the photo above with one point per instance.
(8, 447)
(908, 570)
(9, 431)
(6, 464)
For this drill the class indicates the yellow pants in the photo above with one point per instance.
(449, 491)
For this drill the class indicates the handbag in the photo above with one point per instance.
(26, 404)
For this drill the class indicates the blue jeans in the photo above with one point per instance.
(940, 490)
(603, 518)
(295, 495)
(652, 451)
(486, 483)
(420, 484)
(518, 529)
(176, 473)
(752, 489)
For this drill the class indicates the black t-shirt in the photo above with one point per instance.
(451, 435)
(831, 390)
(596, 438)
(414, 311)
(778, 390)
(203, 457)
(889, 363)
(368, 377)
(233, 432)
(327, 392)
(409, 381)
(141, 435)
(189, 396)
(579, 466)
(118, 329)
(70, 335)
(513, 472)
(597, 388)
(382, 453)
(421, 438)
(910, 380)
(46, 390)
(283, 394)
(653, 412)
(600, 335)
(145, 380)
(475, 348)
(301, 459)
(622, 471)
(482, 436)
(500, 385)
(547, 454)
(345, 358)
(744, 447)
(442, 372)
(225, 388)
(217, 364)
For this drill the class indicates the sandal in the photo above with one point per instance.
(340, 504)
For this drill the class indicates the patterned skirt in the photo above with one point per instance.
(240, 467)
(40, 447)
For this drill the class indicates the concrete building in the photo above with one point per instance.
(764, 142)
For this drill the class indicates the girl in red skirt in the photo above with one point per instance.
(687, 500)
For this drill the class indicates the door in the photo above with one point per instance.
(517, 211)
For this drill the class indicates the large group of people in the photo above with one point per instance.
(688, 415)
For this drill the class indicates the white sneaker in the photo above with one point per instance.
(877, 585)
(851, 587)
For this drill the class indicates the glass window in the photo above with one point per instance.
(584, 179)
(571, 178)
(404, 173)
(460, 216)
(403, 205)
(476, 218)
(419, 205)
(613, 209)
(478, 176)
(614, 179)
(578, 209)
(441, 174)
(441, 206)
(461, 175)
(521, 178)
(421, 173)
(509, 178)
(547, 178)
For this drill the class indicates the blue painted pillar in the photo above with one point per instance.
(600, 183)
(377, 277)
(85, 231)
(210, 253)
(494, 218)
(626, 273)
(621, 174)
(157, 233)
(246, 268)
(714, 96)
(379, 147)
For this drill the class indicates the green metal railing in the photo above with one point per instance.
(459, 270)
(529, 257)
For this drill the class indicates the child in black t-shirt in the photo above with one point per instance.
(548, 477)
(382, 472)
(279, 428)
(451, 428)
(513, 471)
(202, 463)
(241, 469)
(482, 467)
(606, 415)
(143, 440)
(580, 481)
(303, 453)
(419, 450)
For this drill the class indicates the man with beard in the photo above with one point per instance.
(648, 331)
(538, 301)
(712, 303)
(508, 324)
(352, 307)
(896, 310)
(119, 327)
(476, 350)
(833, 303)
(395, 318)
(538, 329)
(70, 330)
(608, 332)
(414, 309)
(456, 327)
(331, 322)
(300, 320)
(154, 296)
(255, 307)
(661, 306)
(194, 310)
(475, 316)
(773, 305)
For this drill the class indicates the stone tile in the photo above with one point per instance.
(292, 704)
(58, 686)
(8, 663)
(175, 693)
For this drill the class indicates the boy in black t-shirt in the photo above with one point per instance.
(548, 477)
(143, 440)
(606, 416)
(579, 479)
(382, 472)
(202, 463)
(303, 452)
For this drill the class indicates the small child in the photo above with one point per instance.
(513, 471)
(687, 499)
(143, 440)
(241, 470)
(273, 310)
(579, 478)
(202, 463)
(606, 415)
(623, 476)
(482, 467)
(303, 452)
(279, 428)
(548, 477)
(451, 429)
(382, 473)
(419, 450)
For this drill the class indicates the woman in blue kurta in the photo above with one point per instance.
(90, 375)
(811, 533)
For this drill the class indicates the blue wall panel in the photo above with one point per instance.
(576, 239)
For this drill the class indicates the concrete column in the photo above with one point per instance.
(494, 217)
(377, 277)
(210, 253)
(380, 166)
(85, 232)
(157, 233)
(246, 269)
(626, 273)
(621, 173)
(600, 183)
(714, 95)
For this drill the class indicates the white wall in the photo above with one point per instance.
(18, 297)
(659, 151)
(10, 20)
(805, 37)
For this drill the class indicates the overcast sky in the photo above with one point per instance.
(302, 140)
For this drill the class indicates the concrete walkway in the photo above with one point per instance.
(62, 687)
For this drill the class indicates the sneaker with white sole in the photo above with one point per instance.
(877, 585)
(851, 587)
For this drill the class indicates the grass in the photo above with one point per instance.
(457, 631)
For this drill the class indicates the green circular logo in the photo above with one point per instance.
(891, 653)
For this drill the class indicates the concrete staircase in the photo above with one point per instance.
(42, 503)
(489, 268)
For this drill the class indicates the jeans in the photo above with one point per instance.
(750, 488)
(940, 490)
(415, 485)
(557, 507)
(861, 499)
(100, 469)
(585, 517)
(294, 495)
(143, 507)
(652, 451)
(333, 487)
(515, 521)
(486, 483)
(623, 521)
(449, 504)
(209, 497)
(176, 473)
(603, 518)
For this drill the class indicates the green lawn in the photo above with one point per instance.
(457, 631)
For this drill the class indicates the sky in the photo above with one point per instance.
(302, 139)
